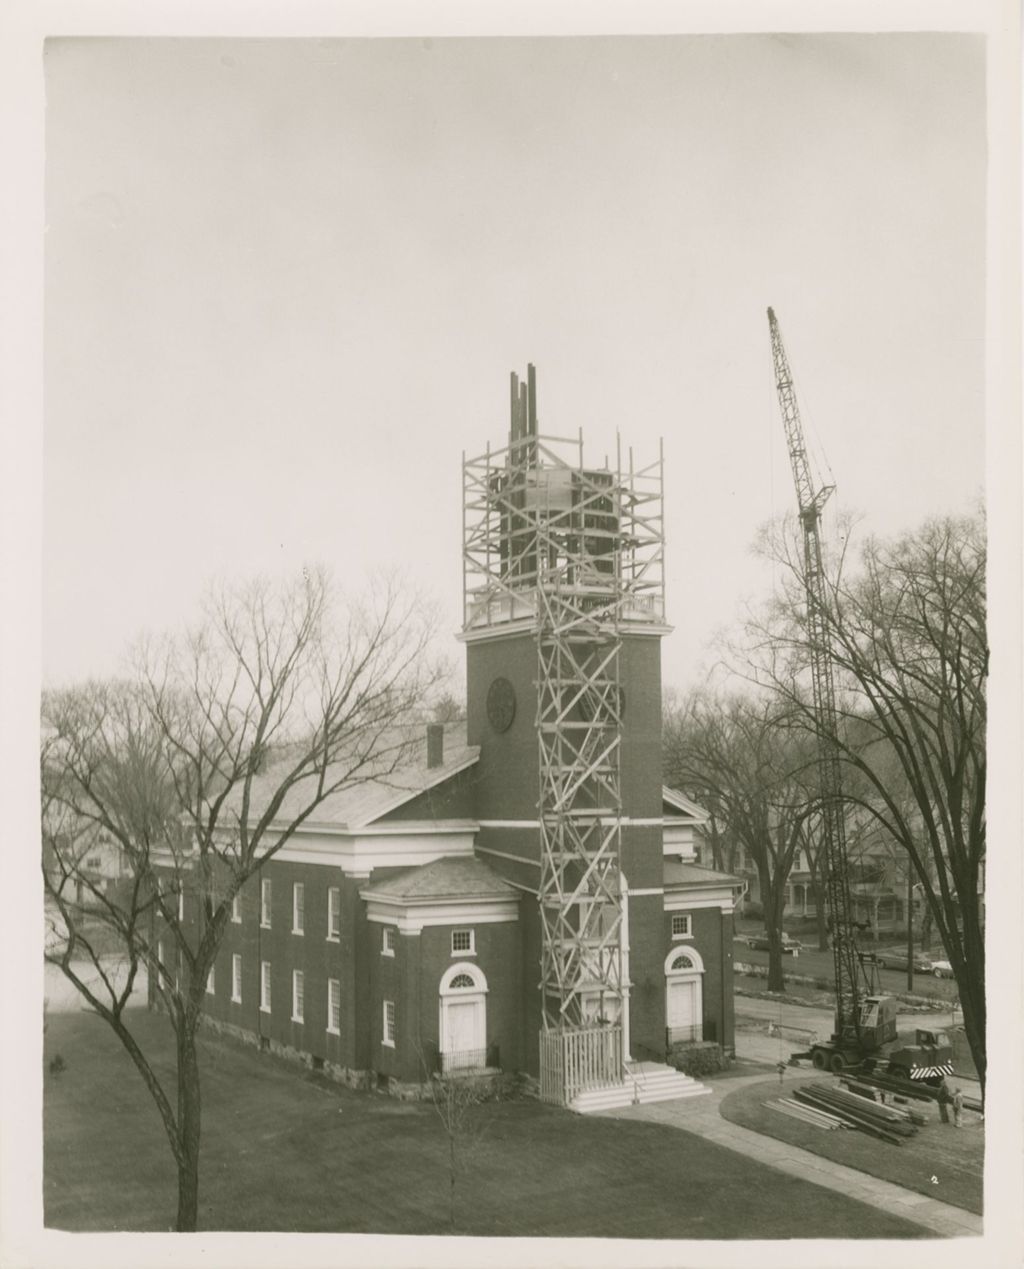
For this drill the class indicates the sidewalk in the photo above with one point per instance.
(700, 1115)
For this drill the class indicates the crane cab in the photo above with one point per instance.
(877, 1022)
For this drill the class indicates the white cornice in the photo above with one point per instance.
(688, 901)
(411, 916)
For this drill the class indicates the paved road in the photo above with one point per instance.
(799, 1023)
(815, 964)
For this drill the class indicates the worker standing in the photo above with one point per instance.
(958, 1108)
(944, 1099)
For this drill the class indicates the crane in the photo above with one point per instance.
(865, 1023)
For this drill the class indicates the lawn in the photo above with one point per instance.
(285, 1149)
(955, 1159)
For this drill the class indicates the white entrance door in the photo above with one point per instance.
(463, 1026)
(682, 1005)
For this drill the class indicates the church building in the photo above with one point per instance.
(524, 896)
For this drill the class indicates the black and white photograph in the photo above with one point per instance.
(501, 640)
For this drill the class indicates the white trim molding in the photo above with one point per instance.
(411, 918)
(720, 897)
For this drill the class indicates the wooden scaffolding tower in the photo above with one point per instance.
(576, 555)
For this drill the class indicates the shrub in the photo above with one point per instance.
(696, 1060)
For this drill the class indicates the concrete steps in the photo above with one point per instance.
(645, 1082)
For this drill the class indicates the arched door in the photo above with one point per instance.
(463, 1018)
(684, 995)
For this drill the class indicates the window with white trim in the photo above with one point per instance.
(333, 913)
(682, 927)
(236, 909)
(334, 1006)
(236, 978)
(463, 942)
(266, 894)
(298, 908)
(265, 997)
(211, 981)
(181, 902)
(387, 941)
(298, 990)
(389, 1024)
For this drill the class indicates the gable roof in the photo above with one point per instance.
(452, 877)
(376, 791)
(684, 805)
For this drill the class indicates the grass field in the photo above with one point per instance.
(284, 1149)
(954, 1158)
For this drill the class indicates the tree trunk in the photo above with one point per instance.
(189, 1122)
(926, 929)
(773, 926)
(451, 1181)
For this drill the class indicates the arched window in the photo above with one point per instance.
(461, 980)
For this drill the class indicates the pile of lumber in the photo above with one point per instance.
(887, 1123)
(806, 1114)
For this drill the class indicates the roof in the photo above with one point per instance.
(453, 877)
(684, 804)
(397, 775)
(677, 874)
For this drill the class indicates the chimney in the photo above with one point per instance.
(435, 744)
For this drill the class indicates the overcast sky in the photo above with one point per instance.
(286, 283)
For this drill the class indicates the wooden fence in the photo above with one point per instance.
(573, 1061)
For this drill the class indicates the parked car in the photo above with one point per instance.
(893, 959)
(759, 943)
(942, 969)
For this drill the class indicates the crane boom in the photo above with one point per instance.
(811, 500)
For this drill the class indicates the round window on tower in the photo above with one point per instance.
(501, 704)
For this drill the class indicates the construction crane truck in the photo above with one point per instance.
(865, 1034)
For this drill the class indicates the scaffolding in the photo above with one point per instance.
(575, 555)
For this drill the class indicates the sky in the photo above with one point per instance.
(286, 282)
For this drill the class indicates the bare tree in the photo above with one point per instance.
(456, 1099)
(907, 631)
(201, 767)
(737, 757)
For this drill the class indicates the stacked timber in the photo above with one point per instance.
(887, 1123)
(806, 1114)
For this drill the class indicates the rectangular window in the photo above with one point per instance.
(160, 957)
(181, 902)
(236, 979)
(265, 986)
(298, 908)
(333, 912)
(236, 909)
(298, 987)
(389, 1023)
(463, 943)
(387, 941)
(334, 1006)
(265, 904)
(681, 926)
(798, 861)
(211, 982)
